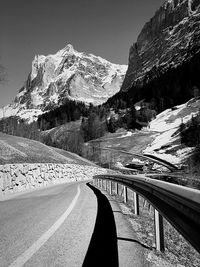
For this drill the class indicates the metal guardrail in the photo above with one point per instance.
(178, 204)
(146, 156)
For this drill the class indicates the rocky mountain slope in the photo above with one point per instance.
(67, 74)
(168, 39)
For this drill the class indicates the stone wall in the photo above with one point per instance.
(20, 177)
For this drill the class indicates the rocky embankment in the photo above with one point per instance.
(20, 177)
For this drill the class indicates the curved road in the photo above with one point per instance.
(69, 224)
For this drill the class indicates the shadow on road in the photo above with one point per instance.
(102, 250)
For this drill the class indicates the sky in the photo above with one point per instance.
(105, 28)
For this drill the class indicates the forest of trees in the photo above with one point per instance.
(70, 111)
(93, 118)
(190, 132)
(173, 87)
(93, 126)
(71, 141)
(18, 127)
(190, 136)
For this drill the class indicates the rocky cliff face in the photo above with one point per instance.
(169, 38)
(67, 74)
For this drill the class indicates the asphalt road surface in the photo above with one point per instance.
(69, 224)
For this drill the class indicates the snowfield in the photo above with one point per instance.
(172, 118)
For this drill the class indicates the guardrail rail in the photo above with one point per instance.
(177, 204)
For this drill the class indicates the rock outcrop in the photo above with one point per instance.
(169, 38)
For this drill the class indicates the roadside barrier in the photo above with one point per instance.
(178, 204)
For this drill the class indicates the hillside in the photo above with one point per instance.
(21, 150)
(167, 143)
(66, 136)
(57, 133)
(161, 138)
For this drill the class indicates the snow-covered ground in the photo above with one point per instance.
(166, 144)
(21, 111)
(172, 118)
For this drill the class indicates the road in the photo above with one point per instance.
(69, 224)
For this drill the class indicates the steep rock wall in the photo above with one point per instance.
(168, 39)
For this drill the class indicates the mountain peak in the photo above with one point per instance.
(68, 74)
(69, 48)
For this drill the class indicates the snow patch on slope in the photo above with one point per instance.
(172, 118)
(166, 143)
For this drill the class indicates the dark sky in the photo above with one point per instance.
(106, 28)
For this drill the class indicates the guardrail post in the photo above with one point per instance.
(136, 203)
(117, 188)
(159, 231)
(125, 194)
(110, 187)
(144, 203)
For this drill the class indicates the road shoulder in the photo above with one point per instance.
(130, 250)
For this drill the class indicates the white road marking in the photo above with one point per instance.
(23, 258)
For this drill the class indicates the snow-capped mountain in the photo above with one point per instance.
(170, 38)
(67, 74)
